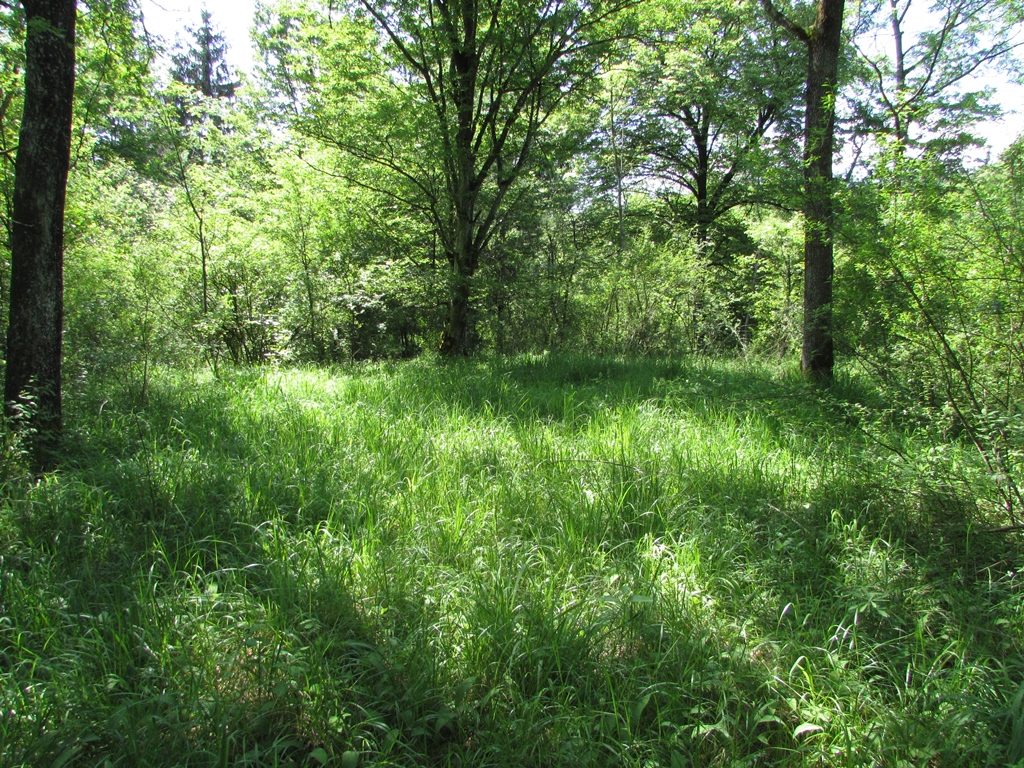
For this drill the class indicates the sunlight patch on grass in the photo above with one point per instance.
(519, 562)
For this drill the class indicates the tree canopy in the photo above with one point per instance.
(403, 178)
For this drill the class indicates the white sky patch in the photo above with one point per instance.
(167, 19)
(1009, 96)
(1002, 132)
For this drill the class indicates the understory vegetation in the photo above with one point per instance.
(533, 561)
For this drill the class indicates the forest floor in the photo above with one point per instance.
(533, 562)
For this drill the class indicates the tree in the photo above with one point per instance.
(33, 375)
(718, 98)
(471, 84)
(12, 66)
(914, 80)
(492, 74)
(201, 64)
(823, 40)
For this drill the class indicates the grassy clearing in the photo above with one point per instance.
(542, 562)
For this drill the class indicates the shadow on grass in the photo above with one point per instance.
(176, 590)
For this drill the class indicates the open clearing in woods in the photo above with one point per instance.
(544, 561)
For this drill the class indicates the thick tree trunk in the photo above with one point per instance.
(459, 336)
(824, 41)
(33, 376)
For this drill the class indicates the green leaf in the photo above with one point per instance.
(641, 704)
(66, 757)
(803, 728)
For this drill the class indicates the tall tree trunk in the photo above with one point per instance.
(701, 173)
(900, 124)
(620, 173)
(458, 336)
(817, 354)
(33, 376)
(457, 340)
(823, 41)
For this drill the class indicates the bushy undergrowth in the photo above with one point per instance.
(543, 562)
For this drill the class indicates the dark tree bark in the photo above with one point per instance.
(33, 376)
(823, 41)
(458, 338)
(464, 257)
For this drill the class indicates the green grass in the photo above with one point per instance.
(538, 562)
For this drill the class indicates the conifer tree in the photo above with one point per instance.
(201, 61)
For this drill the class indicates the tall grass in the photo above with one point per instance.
(533, 562)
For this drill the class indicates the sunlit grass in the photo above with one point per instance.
(532, 562)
